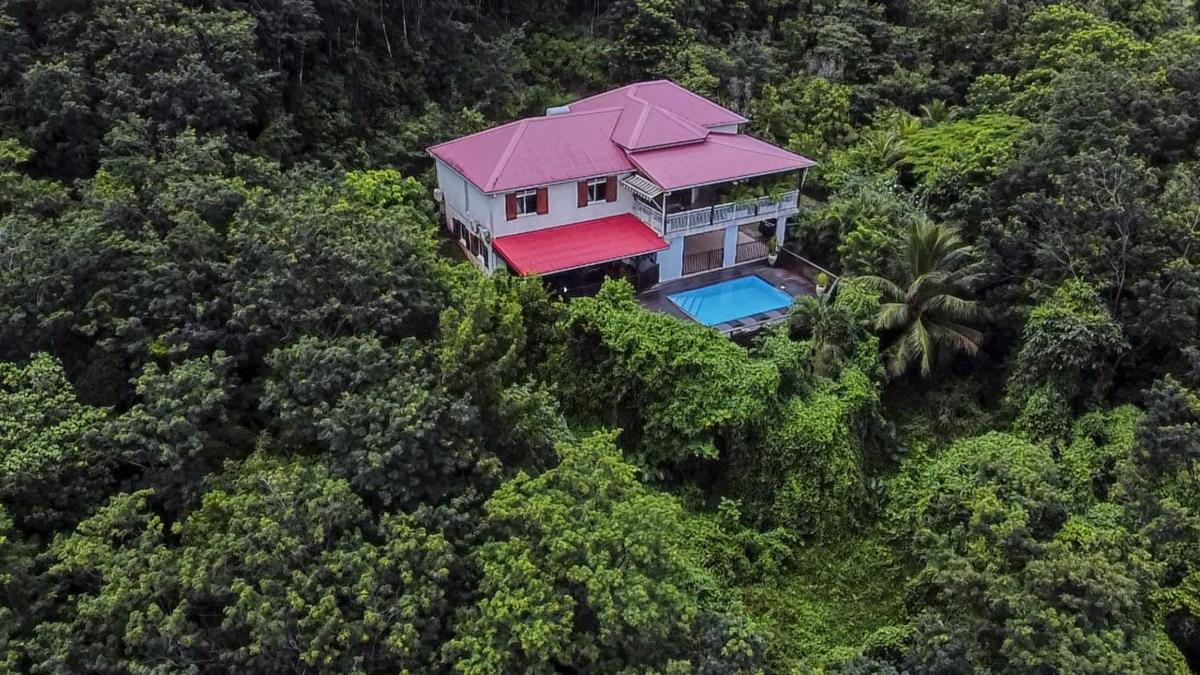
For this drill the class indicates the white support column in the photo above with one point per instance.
(731, 241)
(781, 229)
(670, 261)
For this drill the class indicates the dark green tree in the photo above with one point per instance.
(332, 396)
(1067, 356)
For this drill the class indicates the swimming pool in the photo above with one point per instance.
(729, 300)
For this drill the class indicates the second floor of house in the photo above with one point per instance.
(675, 160)
(535, 207)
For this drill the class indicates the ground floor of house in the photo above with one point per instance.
(583, 254)
(717, 249)
(717, 277)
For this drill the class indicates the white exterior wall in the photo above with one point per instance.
(670, 261)
(462, 198)
(564, 209)
(469, 204)
(730, 245)
(726, 128)
(465, 202)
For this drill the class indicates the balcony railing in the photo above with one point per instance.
(703, 261)
(751, 250)
(648, 214)
(718, 215)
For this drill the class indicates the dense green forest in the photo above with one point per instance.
(252, 420)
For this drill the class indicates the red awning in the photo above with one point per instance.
(567, 247)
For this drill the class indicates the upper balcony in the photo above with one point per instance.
(716, 216)
(717, 205)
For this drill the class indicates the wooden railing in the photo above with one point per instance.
(751, 250)
(703, 261)
(808, 269)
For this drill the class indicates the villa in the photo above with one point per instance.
(650, 182)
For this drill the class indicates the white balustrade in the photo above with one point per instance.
(714, 216)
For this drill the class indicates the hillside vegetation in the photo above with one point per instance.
(252, 421)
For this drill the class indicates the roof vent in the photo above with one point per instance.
(558, 110)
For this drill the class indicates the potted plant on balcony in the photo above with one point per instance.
(778, 188)
(822, 283)
(772, 249)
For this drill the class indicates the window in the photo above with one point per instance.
(460, 231)
(597, 190)
(526, 202)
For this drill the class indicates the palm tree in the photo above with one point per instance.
(882, 148)
(927, 307)
(936, 112)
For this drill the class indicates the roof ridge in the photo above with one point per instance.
(680, 119)
(713, 138)
(506, 155)
(628, 88)
(647, 109)
(523, 121)
(632, 88)
(604, 93)
(640, 125)
(473, 134)
(706, 100)
(630, 91)
(574, 113)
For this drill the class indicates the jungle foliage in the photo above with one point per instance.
(252, 420)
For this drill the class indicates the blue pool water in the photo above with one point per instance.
(729, 300)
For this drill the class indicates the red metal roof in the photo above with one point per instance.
(643, 126)
(666, 95)
(537, 151)
(566, 247)
(594, 139)
(721, 157)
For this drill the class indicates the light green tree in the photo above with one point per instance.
(53, 464)
(297, 573)
(587, 572)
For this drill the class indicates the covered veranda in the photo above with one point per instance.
(575, 259)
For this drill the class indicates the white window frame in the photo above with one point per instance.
(531, 196)
(594, 183)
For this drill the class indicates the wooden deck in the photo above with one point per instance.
(790, 281)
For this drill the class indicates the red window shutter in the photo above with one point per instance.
(510, 206)
(610, 189)
(543, 201)
(583, 195)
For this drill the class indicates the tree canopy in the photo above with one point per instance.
(256, 416)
